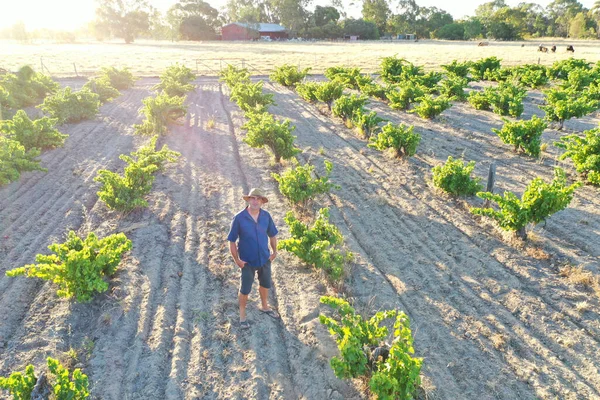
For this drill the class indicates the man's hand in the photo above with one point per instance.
(240, 263)
(272, 256)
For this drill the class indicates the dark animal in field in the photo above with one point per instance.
(571, 49)
(483, 44)
(542, 49)
(553, 49)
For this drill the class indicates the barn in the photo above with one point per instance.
(249, 31)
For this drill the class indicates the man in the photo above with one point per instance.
(255, 230)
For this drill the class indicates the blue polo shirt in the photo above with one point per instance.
(253, 244)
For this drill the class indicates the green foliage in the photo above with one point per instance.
(127, 192)
(368, 87)
(454, 86)
(68, 106)
(103, 88)
(396, 70)
(428, 80)
(394, 377)
(505, 99)
(14, 159)
(539, 201)
(308, 90)
(318, 246)
(532, 75)
(288, 75)
(298, 185)
(579, 78)
(346, 106)
(455, 177)
(39, 133)
(250, 97)
(366, 123)
(78, 266)
(120, 79)
(523, 135)
(479, 68)
(65, 388)
(25, 88)
(402, 94)
(328, 92)
(175, 81)
(401, 138)
(160, 111)
(562, 105)
(585, 153)
(19, 385)
(348, 76)
(561, 69)
(430, 107)
(460, 69)
(264, 130)
(233, 75)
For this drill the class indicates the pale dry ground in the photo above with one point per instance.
(491, 319)
(150, 58)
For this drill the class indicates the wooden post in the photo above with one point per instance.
(490, 183)
(75, 67)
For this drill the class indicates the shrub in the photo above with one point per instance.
(103, 88)
(428, 80)
(39, 133)
(561, 69)
(233, 75)
(346, 106)
(126, 193)
(14, 159)
(298, 185)
(505, 99)
(532, 75)
(393, 372)
(396, 70)
(562, 105)
(523, 135)
(366, 123)
(328, 92)
(430, 107)
(318, 246)
(455, 177)
(453, 86)
(539, 201)
(78, 266)
(460, 69)
(264, 130)
(175, 81)
(250, 97)
(401, 138)
(160, 111)
(585, 153)
(368, 87)
(479, 68)
(307, 91)
(579, 78)
(25, 88)
(67, 106)
(20, 386)
(288, 75)
(120, 79)
(348, 76)
(401, 95)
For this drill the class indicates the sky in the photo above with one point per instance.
(71, 14)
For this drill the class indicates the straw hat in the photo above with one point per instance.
(256, 192)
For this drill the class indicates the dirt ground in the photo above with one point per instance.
(492, 319)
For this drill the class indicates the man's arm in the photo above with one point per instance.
(234, 253)
(273, 243)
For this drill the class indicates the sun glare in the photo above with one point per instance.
(57, 15)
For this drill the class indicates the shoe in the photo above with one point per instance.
(244, 325)
(271, 313)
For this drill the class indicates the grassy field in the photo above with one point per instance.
(149, 58)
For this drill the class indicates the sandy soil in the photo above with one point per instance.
(150, 58)
(491, 319)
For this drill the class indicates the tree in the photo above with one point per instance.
(431, 19)
(359, 27)
(473, 28)
(324, 15)
(376, 11)
(577, 27)
(194, 20)
(454, 31)
(196, 28)
(126, 20)
(561, 12)
(19, 32)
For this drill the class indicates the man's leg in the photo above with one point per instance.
(246, 279)
(243, 299)
(264, 295)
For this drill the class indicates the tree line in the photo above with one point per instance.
(198, 20)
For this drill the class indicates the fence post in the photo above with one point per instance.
(490, 183)
(75, 67)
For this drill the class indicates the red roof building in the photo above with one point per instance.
(249, 31)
